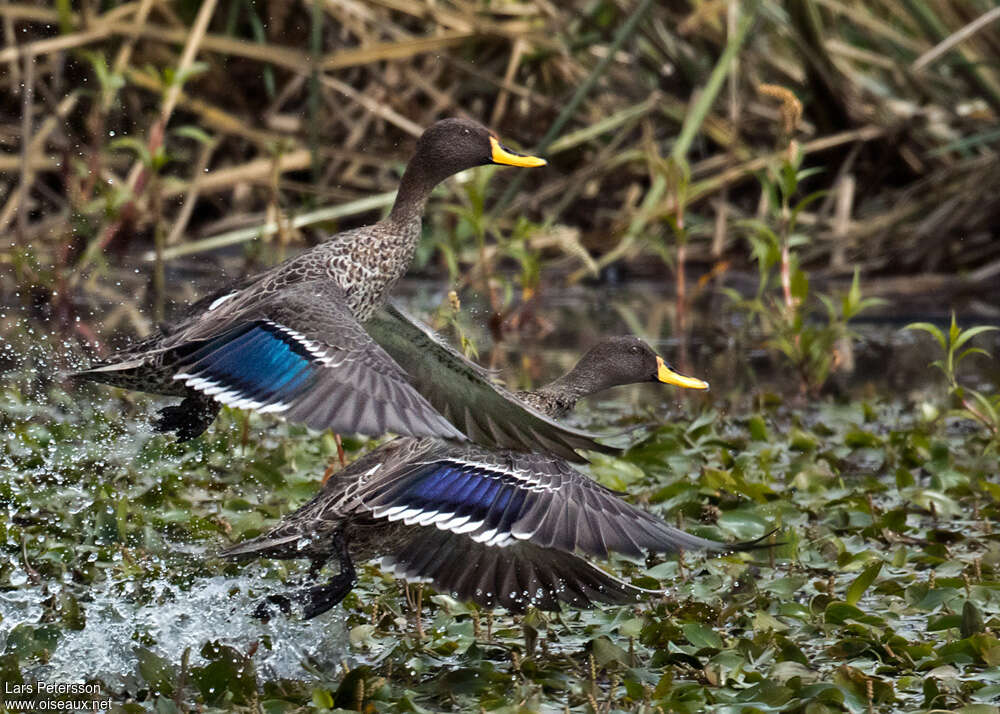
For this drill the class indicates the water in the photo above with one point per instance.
(175, 619)
(72, 460)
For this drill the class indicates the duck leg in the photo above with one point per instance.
(320, 598)
(317, 599)
(331, 466)
(190, 418)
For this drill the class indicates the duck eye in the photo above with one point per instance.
(634, 349)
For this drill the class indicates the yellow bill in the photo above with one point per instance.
(503, 155)
(669, 376)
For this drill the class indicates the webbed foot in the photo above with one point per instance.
(320, 598)
(263, 609)
(189, 419)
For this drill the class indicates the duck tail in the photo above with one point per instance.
(265, 546)
(113, 373)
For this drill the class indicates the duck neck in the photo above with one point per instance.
(562, 395)
(414, 189)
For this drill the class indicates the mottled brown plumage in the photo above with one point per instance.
(290, 340)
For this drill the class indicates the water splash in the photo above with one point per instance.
(174, 619)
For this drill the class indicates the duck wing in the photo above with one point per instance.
(462, 391)
(298, 352)
(512, 577)
(302, 533)
(501, 498)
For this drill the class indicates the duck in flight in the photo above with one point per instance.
(291, 341)
(495, 526)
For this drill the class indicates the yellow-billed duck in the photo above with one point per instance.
(290, 341)
(497, 527)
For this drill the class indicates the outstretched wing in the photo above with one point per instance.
(301, 354)
(512, 577)
(301, 533)
(462, 391)
(500, 498)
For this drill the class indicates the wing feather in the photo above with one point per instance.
(302, 355)
(502, 497)
(513, 577)
(463, 391)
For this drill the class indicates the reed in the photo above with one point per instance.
(306, 112)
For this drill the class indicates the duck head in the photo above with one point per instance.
(445, 148)
(616, 361)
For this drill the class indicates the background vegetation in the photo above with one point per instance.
(816, 160)
(179, 127)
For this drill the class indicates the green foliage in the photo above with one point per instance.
(110, 82)
(809, 331)
(884, 592)
(954, 344)
(152, 160)
(476, 239)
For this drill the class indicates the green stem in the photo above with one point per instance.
(699, 110)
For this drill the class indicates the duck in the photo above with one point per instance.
(496, 527)
(290, 341)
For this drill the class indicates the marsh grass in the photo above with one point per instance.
(299, 113)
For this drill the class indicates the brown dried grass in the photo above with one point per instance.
(898, 99)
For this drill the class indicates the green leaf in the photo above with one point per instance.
(861, 439)
(181, 77)
(806, 202)
(605, 652)
(361, 635)
(744, 524)
(322, 699)
(65, 10)
(800, 285)
(157, 672)
(615, 473)
(967, 335)
(972, 620)
(701, 636)
(193, 132)
(854, 294)
(987, 406)
(978, 709)
(132, 144)
(932, 329)
(971, 351)
(861, 583)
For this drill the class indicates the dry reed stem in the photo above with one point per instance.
(516, 53)
(378, 109)
(55, 44)
(191, 48)
(211, 115)
(191, 197)
(955, 38)
(35, 146)
(402, 64)
(27, 110)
